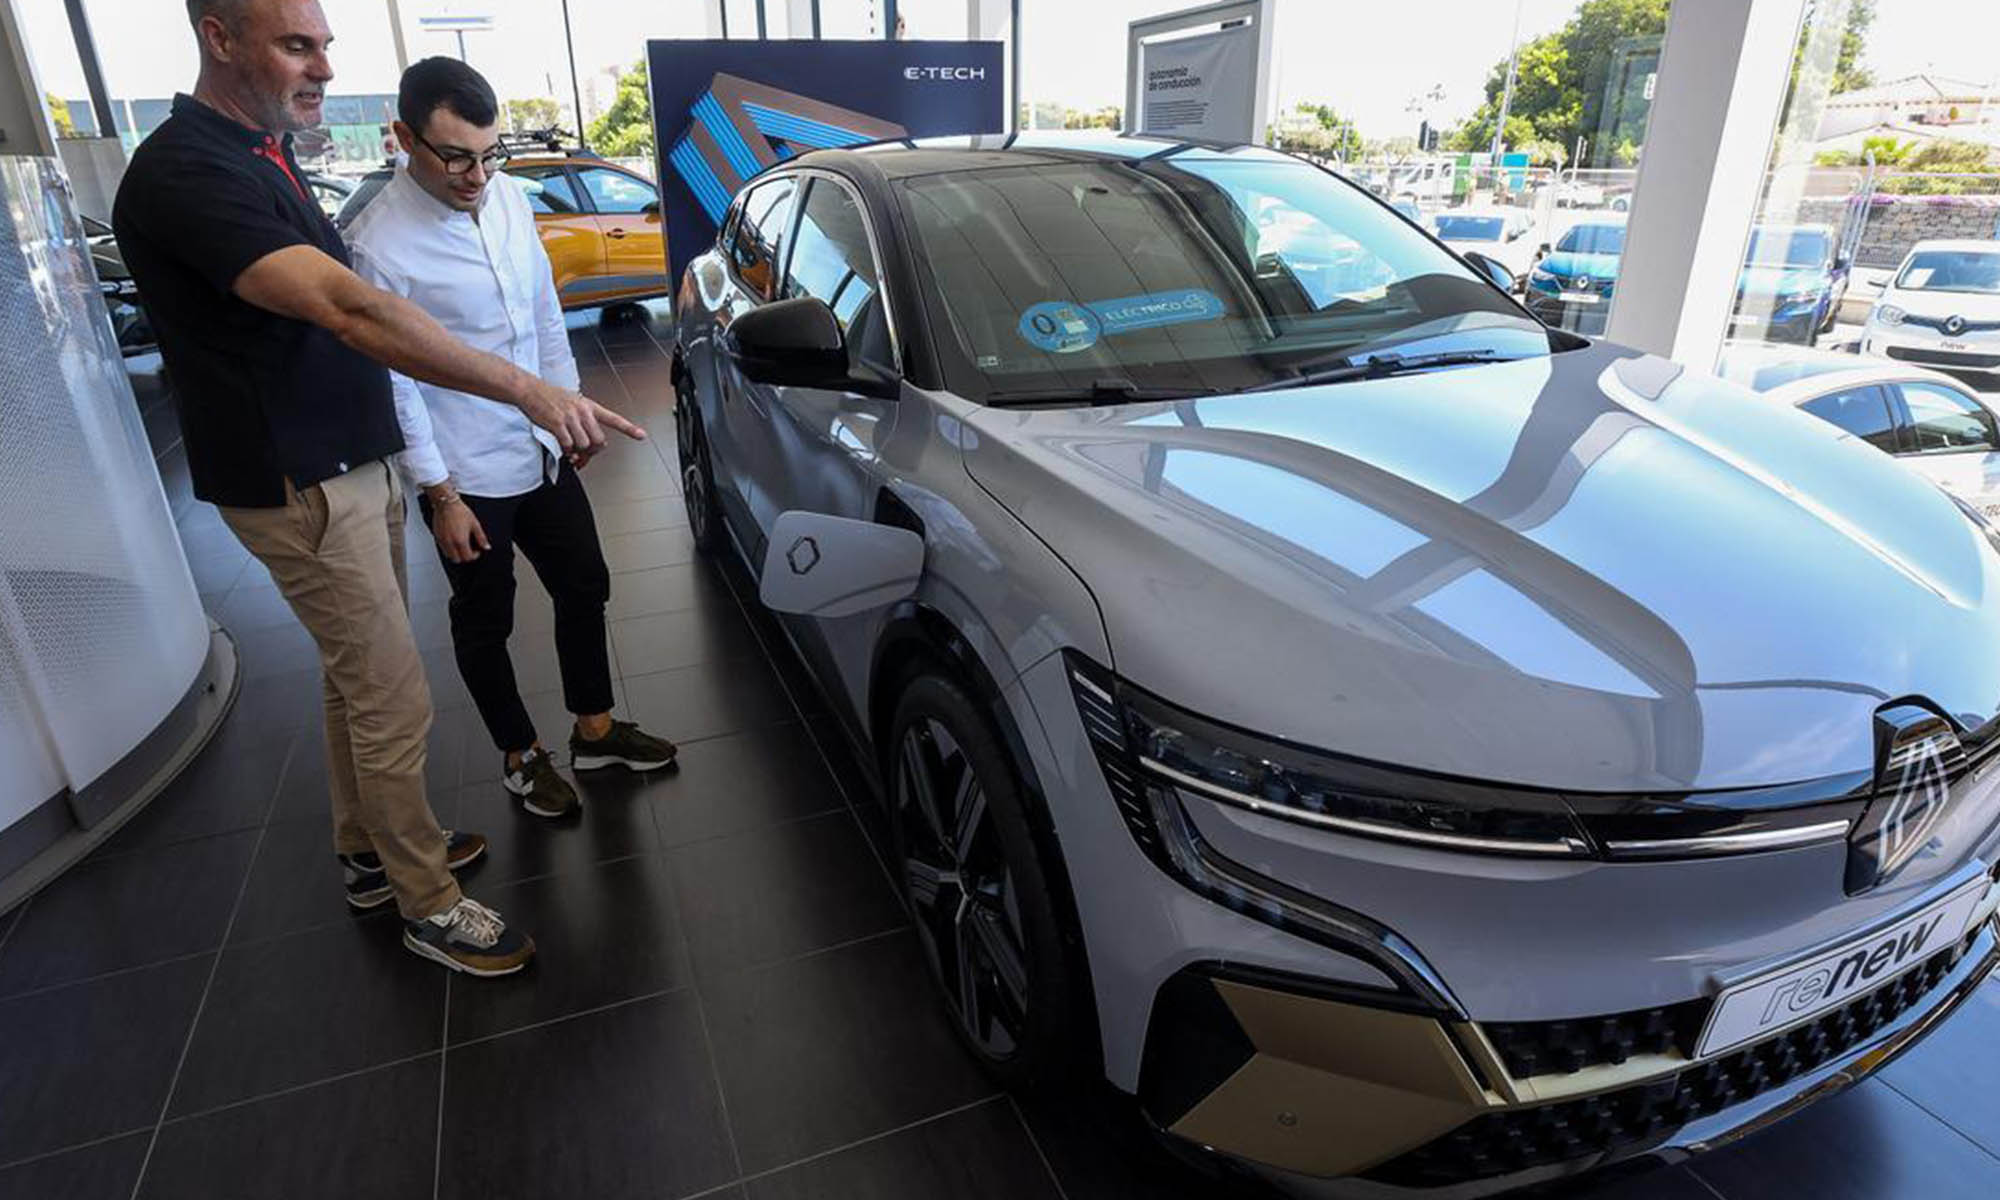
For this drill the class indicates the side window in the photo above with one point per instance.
(755, 250)
(1863, 412)
(725, 233)
(831, 261)
(615, 192)
(550, 191)
(1942, 419)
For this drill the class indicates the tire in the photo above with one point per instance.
(980, 896)
(697, 475)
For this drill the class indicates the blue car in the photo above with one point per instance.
(1793, 281)
(1570, 286)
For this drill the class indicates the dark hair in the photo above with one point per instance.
(231, 11)
(445, 82)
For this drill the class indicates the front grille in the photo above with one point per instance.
(1559, 1047)
(1945, 358)
(1514, 1140)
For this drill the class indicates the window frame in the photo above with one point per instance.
(739, 210)
(1892, 408)
(855, 195)
(1908, 421)
(586, 205)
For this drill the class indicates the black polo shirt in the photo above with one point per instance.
(262, 397)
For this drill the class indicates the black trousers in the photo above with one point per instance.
(557, 534)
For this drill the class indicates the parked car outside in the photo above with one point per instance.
(1793, 280)
(330, 192)
(129, 322)
(1500, 233)
(1937, 426)
(599, 222)
(1570, 287)
(1942, 309)
(1403, 745)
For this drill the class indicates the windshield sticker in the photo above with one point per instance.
(1061, 327)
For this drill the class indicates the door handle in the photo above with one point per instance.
(617, 233)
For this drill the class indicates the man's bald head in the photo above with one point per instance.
(263, 61)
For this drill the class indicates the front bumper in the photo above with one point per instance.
(1974, 351)
(1328, 1096)
(1554, 311)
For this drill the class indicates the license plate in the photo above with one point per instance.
(1581, 298)
(1745, 321)
(1797, 993)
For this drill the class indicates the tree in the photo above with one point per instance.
(59, 115)
(1583, 80)
(539, 112)
(626, 128)
(1848, 73)
(1333, 134)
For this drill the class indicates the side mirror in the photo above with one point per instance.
(1842, 261)
(798, 343)
(652, 208)
(1496, 273)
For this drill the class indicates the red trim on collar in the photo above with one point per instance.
(268, 149)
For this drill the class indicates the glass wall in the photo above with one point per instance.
(1880, 218)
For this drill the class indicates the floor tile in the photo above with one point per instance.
(1951, 1074)
(614, 1105)
(743, 781)
(372, 1135)
(980, 1153)
(94, 1059)
(627, 552)
(774, 893)
(638, 516)
(254, 608)
(601, 937)
(660, 643)
(1887, 1147)
(105, 1171)
(295, 884)
(1100, 1148)
(222, 790)
(275, 649)
(826, 1050)
(698, 702)
(665, 589)
(522, 846)
(1638, 1183)
(127, 911)
(301, 1008)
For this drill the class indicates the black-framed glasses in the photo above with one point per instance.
(459, 162)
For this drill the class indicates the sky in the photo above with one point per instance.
(1368, 58)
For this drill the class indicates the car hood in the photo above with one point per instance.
(1568, 264)
(1593, 571)
(1973, 306)
(1773, 281)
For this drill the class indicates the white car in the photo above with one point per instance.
(1938, 426)
(1501, 234)
(1941, 309)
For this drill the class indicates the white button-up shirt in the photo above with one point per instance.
(489, 284)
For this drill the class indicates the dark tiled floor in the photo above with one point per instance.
(729, 1001)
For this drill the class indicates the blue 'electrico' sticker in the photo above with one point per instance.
(1062, 326)
(1059, 326)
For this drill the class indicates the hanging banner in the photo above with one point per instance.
(1199, 87)
(724, 110)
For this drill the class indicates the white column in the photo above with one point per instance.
(712, 13)
(1721, 83)
(24, 120)
(799, 18)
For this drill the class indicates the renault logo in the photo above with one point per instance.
(1918, 756)
(1954, 325)
(1582, 283)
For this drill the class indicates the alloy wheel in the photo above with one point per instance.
(694, 494)
(956, 876)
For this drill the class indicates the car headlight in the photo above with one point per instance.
(1889, 314)
(1806, 297)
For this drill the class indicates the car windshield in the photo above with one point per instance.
(1593, 239)
(1470, 229)
(1787, 248)
(1952, 271)
(1187, 272)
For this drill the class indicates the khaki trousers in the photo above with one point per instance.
(335, 551)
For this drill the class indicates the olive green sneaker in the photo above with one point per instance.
(626, 746)
(542, 791)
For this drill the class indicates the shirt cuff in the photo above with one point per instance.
(422, 467)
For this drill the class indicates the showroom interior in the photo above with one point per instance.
(1527, 758)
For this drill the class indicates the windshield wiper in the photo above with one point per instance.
(1378, 366)
(1099, 391)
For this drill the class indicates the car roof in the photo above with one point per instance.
(906, 158)
(1601, 220)
(1794, 373)
(1981, 245)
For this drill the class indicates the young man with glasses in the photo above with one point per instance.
(453, 235)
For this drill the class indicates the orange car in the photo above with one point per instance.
(599, 222)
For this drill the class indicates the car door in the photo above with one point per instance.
(567, 228)
(1955, 441)
(628, 218)
(740, 442)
